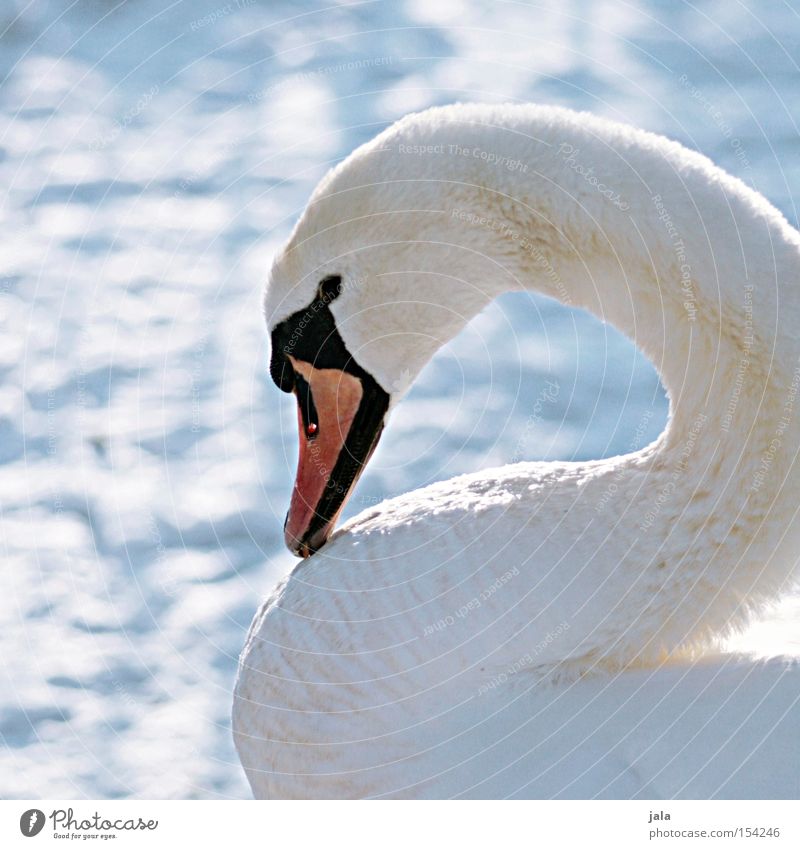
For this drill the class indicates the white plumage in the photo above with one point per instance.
(540, 629)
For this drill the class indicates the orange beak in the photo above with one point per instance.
(330, 416)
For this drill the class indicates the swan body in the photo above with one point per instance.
(541, 629)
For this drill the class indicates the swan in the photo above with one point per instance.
(542, 629)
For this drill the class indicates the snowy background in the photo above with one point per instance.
(153, 155)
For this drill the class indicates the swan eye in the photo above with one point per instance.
(329, 289)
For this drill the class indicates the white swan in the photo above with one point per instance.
(534, 630)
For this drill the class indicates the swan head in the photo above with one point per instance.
(341, 409)
(378, 273)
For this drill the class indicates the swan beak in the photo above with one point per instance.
(339, 426)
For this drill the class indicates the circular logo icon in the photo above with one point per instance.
(31, 822)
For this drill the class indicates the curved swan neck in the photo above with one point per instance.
(458, 205)
(628, 226)
(453, 207)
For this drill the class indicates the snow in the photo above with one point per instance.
(154, 155)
